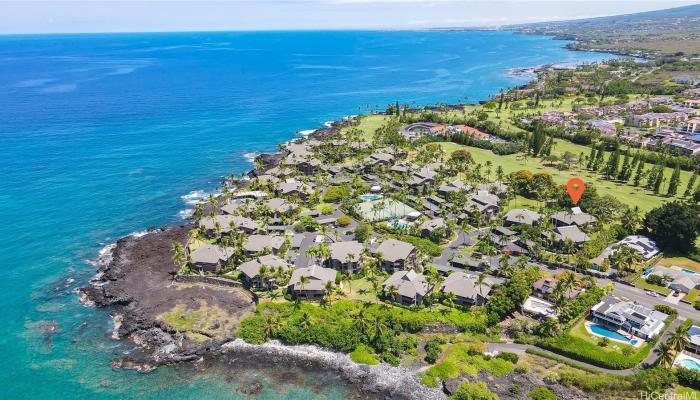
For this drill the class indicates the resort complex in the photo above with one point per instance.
(446, 240)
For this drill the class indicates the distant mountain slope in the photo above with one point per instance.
(649, 33)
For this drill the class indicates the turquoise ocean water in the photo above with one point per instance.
(103, 135)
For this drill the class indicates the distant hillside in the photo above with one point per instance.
(649, 33)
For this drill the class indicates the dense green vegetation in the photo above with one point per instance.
(347, 325)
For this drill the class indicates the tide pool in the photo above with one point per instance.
(103, 135)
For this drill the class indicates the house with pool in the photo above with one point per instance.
(690, 356)
(612, 316)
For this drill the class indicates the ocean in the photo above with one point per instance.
(104, 135)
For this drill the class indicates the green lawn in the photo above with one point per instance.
(628, 194)
(644, 285)
(691, 296)
(369, 124)
(359, 289)
(683, 262)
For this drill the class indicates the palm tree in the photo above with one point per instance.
(306, 320)
(362, 321)
(178, 257)
(392, 292)
(449, 299)
(272, 325)
(665, 354)
(303, 281)
(481, 281)
(679, 339)
(329, 290)
(347, 278)
(379, 328)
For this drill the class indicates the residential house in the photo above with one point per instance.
(466, 287)
(255, 244)
(396, 255)
(250, 270)
(345, 256)
(291, 187)
(226, 223)
(429, 227)
(453, 187)
(630, 317)
(520, 216)
(411, 287)
(545, 287)
(561, 234)
(484, 203)
(693, 345)
(575, 217)
(210, 257)
(279, 206)
(310, 283)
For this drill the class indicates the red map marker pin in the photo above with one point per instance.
(575, 187)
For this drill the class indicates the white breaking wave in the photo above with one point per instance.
(186, 213)
(194, 197)
(250, 157)
(307, 132)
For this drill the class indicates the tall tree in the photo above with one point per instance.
(675, 181)
(691, 184)
(639, 173)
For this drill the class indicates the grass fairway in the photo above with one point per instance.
(368, 125)
(628, 194)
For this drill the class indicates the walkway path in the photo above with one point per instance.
(522, 348)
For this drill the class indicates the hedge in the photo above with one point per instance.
(581, 350)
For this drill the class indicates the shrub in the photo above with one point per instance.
(252, 330)
(335, 193)
(433, 350)
(542, 393)
(603, 342)
(363, 355)
(306, 223)
(655, 280)
(344, 220)
(473, 391)
(582, 350)
(424, 245)
(696, 304)
(508, 356)
(666, 309)
(362, 232)
(655, 379)
(688, 377)
(326, 209)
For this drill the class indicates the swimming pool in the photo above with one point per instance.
(603, 331)
(690, 364)
(689, 271)
(370, 197)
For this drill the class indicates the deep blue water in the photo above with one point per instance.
(101, 135)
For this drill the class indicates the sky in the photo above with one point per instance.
(57, 16)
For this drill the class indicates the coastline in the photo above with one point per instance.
(162, 345)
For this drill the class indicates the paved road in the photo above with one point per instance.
(632, 293)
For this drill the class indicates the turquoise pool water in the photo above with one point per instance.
(603, 331)
(691, 364)
(370, 197)
(689, 271)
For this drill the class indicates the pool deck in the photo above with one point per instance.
(640, 342)
(678, 362)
